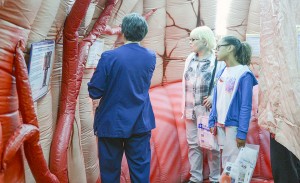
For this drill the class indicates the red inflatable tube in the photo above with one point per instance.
(28, 133)
(72, 72)
(24, 133)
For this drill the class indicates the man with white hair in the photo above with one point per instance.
(124, 118)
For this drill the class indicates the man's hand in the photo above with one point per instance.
(207, 101)
(240, 142)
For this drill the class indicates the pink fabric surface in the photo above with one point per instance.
(169, 162)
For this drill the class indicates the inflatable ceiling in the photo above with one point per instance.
(48, 136)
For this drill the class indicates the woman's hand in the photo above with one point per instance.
(240, 142)
(207, 101)
(213, 130)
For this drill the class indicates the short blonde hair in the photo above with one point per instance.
(204, 33)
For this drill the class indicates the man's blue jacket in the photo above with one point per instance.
(122, 80)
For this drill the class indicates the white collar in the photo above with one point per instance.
(129, 42)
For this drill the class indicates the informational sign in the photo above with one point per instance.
(40, 67)
(241, 170)
(95, 53)
(298, 41)
(254, 41)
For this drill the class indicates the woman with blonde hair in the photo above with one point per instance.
(197, 77)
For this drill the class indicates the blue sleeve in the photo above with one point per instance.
(153, 65)
(246, 87)
(98, 82)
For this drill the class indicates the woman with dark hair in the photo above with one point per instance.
(124, 118)
(232, 102)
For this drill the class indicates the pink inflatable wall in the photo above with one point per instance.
(52, 140)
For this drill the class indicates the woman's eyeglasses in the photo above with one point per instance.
(192, 39)
(218, 46)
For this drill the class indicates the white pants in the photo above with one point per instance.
(227, 141)
(196, 155)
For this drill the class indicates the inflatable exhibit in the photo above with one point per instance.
(49, 50)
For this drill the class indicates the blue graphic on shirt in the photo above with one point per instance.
(230, 85)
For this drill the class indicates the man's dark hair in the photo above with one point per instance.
(134, 27)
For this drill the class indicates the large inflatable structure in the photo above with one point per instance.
(46, 133)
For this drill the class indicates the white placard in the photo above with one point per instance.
(254, 41)
(40, 67)
(298, 41)
(241, 170)
(95, 53)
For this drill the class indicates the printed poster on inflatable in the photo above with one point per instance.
(254, 41)
(95, 53)
(298, 41)
(40, 67)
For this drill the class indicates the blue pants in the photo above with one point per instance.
(138, 154)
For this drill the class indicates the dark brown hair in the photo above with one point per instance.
(243, 50)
